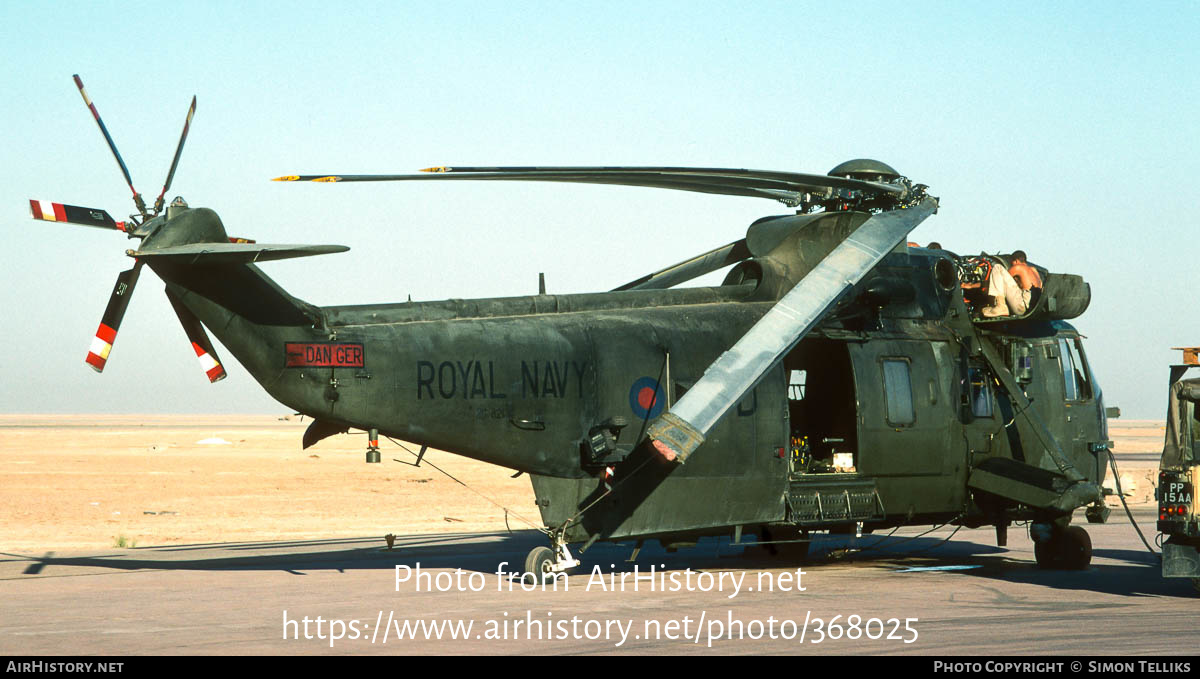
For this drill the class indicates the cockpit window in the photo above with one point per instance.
(1075, 383)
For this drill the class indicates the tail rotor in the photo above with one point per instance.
(141, 224)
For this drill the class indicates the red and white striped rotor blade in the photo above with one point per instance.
(205, 352)
(118, 302)
(112, 146)
(73, 214)
(187, 123)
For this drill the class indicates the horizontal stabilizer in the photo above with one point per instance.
(232, 253)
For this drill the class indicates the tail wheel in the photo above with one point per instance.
(538, 564)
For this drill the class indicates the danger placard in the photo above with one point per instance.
(323, 355)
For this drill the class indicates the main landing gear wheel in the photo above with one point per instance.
(1045, 555)
(1076, 549)
(538, 564)
(1068, 549)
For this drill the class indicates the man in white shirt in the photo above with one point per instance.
(1005, 294)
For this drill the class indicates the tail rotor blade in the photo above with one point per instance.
(73, 214)
(137, 197)
(106, 334)
(158, 202)
(207, 355)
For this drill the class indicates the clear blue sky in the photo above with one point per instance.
(1065, 129)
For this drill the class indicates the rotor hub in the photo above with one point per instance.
(865, 169)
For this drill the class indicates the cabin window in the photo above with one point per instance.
(1075, 385)
(981, 392)
(897, 386)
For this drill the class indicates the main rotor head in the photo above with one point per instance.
(865, 169)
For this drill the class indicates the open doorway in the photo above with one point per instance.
(821, 408)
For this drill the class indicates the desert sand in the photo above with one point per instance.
(86, 482)
(79, 482)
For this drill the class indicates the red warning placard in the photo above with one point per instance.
(323, 355)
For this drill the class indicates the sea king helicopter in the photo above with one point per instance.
(839, 379)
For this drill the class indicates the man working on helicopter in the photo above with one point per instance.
(1027, 277)
(992, 289)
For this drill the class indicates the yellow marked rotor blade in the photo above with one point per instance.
(436, 169)
(328, 179)
(288, 178)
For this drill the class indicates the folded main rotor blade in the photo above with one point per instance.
(137, 197)
(73, 214)
(697, 266)
(680, 431)
(733, 186)
(788, 187)
(110, 323)
(205, 352)
(187, 123)
(795, 178)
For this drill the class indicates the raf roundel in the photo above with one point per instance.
(646, 398)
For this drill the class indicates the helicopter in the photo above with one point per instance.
(839, 379)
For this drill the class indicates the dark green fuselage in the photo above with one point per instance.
(527, 382)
